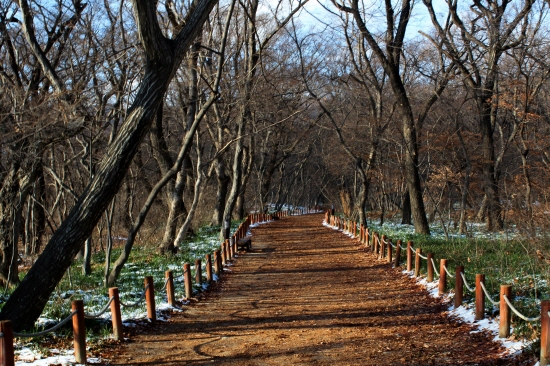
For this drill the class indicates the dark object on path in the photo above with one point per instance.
(245, 243)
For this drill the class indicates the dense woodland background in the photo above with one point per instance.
(412, 110)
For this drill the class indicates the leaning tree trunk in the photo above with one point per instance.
(163, 57)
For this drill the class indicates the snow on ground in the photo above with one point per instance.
(466, 313)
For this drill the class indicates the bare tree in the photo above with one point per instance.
(162, 58)
(476, 45)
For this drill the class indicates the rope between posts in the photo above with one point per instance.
(448, 273)
(435, 270)
(101, 312)
(138, 301)
(165, 283)
(466, 283)
(487, 294)
(44, 332)
(421, 256)
(518, 313)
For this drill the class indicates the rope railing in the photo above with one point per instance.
(47, 331)
(134, 304)
(434, 267)
(102, 311)
(466, 283)
(166, 280)
(421, 256)
(487, 294)
(537, 318)
(448, 273)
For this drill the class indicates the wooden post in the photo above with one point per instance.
(430, 256)
(79, 331)
(480, 297)
(169, 277)
(217, 263)
(375, 242)
(417, 262)
(389, 251)
(150, 298)
(544, 333)
(383, 247)
(398, 253)
(6, 344)
(116, 318)
(505, 311)
(223, 253)
(227, 251)
(233, 245)
(409, 256)
(442, 277)
(209, 268)
(187, 280)
(198, 272)
(459, 286)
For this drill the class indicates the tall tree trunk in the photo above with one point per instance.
(222, 180)
(490, 184)
(237, 173)
(412, 175)
(248, 156)
(462, 229)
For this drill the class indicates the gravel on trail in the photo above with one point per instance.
(309, 295)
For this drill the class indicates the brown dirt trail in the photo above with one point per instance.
(308, 295)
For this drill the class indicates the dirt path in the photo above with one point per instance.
(308, 295)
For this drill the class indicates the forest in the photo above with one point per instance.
(145, 120)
